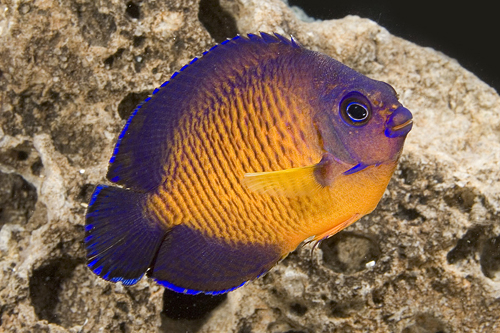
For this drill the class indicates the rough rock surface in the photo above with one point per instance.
(427, 260)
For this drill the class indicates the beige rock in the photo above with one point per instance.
(427, 260)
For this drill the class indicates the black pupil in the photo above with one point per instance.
(357, 112)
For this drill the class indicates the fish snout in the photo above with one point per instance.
(399, 123)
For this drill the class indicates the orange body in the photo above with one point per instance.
(257, 129)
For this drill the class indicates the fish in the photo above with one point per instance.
(247, 151)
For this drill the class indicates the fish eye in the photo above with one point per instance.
(357, 112)
(355, 109)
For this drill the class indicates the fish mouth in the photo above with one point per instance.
(399, 123)
(399, 127)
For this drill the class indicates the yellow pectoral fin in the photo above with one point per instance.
(297, 181)
(290, 182)
(338, 227)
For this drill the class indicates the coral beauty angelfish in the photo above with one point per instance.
(246, 152)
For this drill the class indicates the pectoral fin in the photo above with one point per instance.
(296, 181)
(290, 182)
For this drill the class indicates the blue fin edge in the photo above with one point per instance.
(97, 190)
(177, 289)
(181, 290)
(98, 270)
(264, 37)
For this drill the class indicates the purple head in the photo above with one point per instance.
(360, 120)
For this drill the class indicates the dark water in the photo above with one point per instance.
(466, 31)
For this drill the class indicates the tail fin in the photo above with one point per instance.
(121, 240)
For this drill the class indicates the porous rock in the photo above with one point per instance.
(426, 260)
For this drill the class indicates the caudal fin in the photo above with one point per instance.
(121, 240)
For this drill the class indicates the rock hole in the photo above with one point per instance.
(108, 62)
(45, 286)
(462, 198)
(219, 23)
(13, 156)
(490, 258)
(37, 166)
(22, 155)
(138, 41)
(408, 214)
(123, 327)
(467, 245)
(348, 252)
(130, 102)
(408, 174)
(298, 309)
(244, 326)
(122, 306)
(423, 200)
(85, 193)
(133, 10)
(17, 199)
(378, 295)
(191, 307)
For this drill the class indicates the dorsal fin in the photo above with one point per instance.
(144, 145)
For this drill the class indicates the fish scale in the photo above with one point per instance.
(195, 150)
(245, 153)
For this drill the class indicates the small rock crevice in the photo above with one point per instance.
(17, 199)
(133, 10)
(490, 258)
(348, 252)
(45, 286)
(482, 241)
(467, 245)
(219, 23)
(130, 102)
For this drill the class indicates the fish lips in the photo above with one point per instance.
(399, 123)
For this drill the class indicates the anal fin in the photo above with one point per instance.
(191, 262)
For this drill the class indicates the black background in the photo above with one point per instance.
(468, 31)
